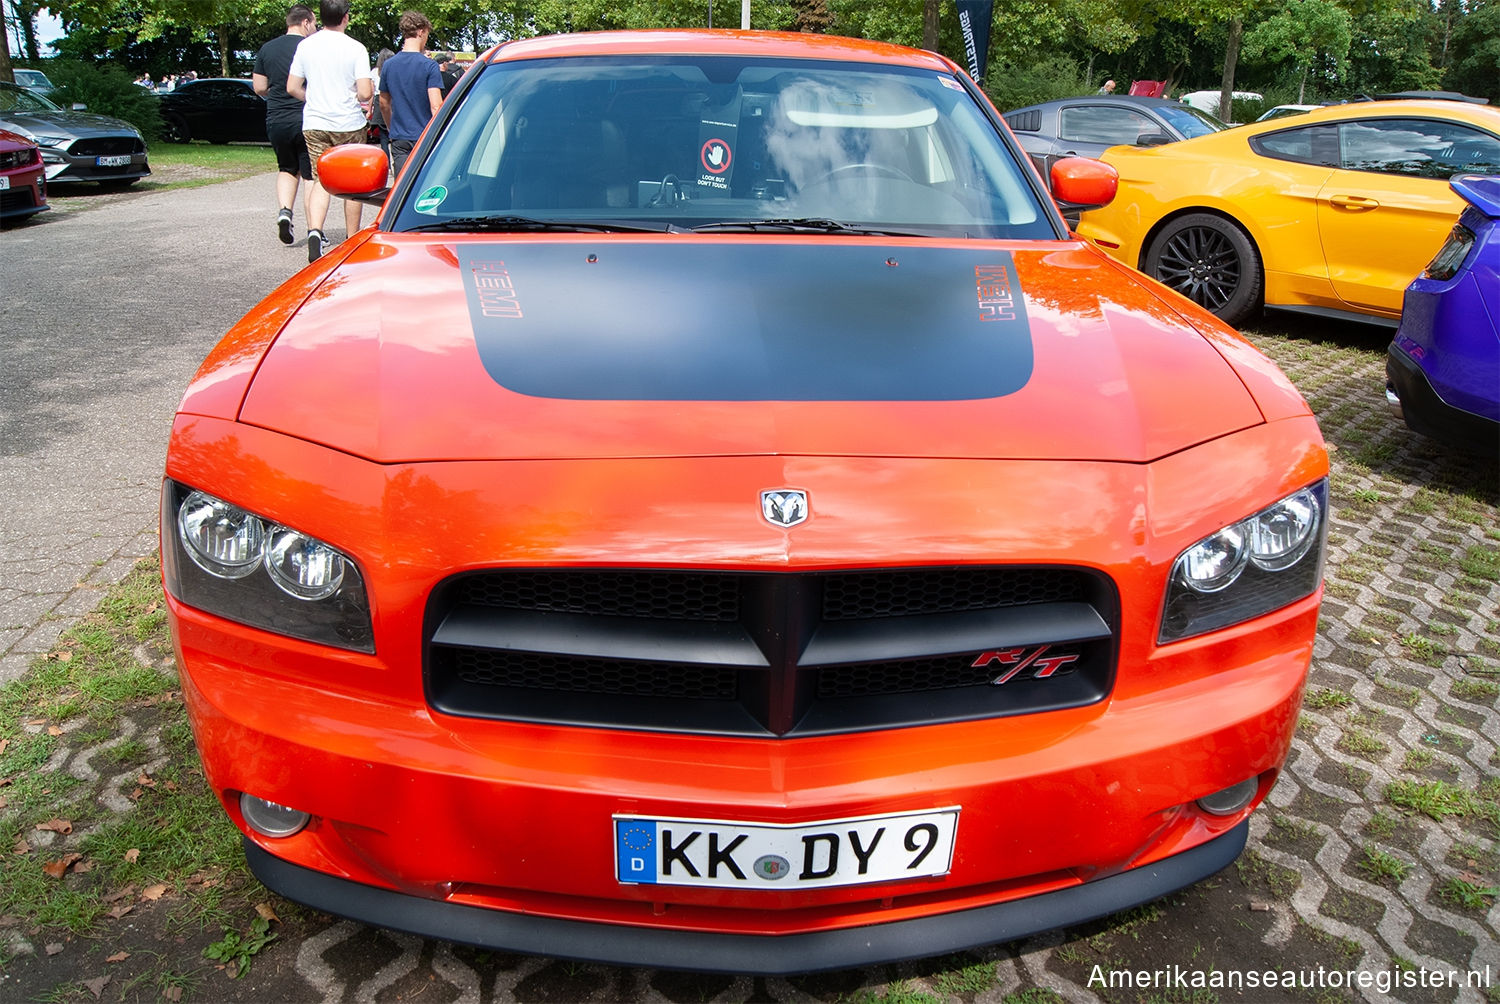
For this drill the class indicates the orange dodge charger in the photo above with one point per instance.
(719, 518)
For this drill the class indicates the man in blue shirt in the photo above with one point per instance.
(411, 88)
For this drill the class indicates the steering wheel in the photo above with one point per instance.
(849, 170)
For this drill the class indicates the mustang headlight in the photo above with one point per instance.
(234, 563)
(1249, 568)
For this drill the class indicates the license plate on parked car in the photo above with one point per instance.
(835, 852)
(4, 181)
(120, 161)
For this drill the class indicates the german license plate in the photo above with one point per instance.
(121, 161)
(833, 852)
(4, 182)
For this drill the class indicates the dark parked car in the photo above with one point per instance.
(219, 110)
(75, 146)
(1443, 367)
(23, 189)
(1087, 126)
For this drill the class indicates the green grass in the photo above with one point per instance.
(82, 693)
(1382, 866)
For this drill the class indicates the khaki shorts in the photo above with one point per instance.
(320, 140)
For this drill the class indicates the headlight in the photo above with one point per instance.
(237, 564)
(50, 140)
(221, 539)
(1249, 568)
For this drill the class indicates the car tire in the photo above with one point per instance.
(1212, 262)
(175, 129)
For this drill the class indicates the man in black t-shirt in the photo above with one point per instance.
(284, 114)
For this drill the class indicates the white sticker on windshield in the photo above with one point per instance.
(429, 201)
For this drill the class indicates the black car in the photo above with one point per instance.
(1087, 126)
(217, 109)
(75, 145)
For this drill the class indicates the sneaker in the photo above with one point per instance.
(284, 225)
(317, 244)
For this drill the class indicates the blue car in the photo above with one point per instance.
(1443, 367)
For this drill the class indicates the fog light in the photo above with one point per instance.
(1232, 799)
(269, 819)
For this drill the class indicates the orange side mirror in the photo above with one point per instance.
(354, 170)
(1083, 183)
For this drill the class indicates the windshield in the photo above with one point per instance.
(721, 143)
(1190, 121)
(19, 99)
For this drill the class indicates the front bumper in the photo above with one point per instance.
(442, 818)
(771, 956)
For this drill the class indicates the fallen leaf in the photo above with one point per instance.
(57, 869)
(4, 743)
(171, 785)
(120, 909)
(64, 656)
(120, 894)
(153, 893)
(172, 993)
(63, 826)
(9, 920)
(20, 847)
(118, 957)
(145, 780)
(3, 802)
(133, 855)
(96, 987)
(136, 793)
(264, 909)
(54, 948)
(54, 731)
(83, 866)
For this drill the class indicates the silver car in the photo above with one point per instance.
(75, 146)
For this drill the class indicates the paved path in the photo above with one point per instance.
(111, 301)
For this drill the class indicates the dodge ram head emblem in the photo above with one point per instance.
(784, 506)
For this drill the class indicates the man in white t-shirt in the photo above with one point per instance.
(331, 73)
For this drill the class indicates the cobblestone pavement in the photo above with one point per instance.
(1379, 850)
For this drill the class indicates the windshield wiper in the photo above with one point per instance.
(804, 224)
(525, 224)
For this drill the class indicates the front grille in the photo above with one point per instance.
(16, 199)
(769, 653)
(106, 146)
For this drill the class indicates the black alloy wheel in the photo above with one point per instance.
(1211, 261)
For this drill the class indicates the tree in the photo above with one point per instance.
(1307, 33)
(25, 18)
(1474, 55)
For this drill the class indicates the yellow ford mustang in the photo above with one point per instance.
(1333, 212)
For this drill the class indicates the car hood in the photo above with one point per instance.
(422, 349)
(73, 125)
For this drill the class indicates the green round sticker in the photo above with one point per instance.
(429, 200)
